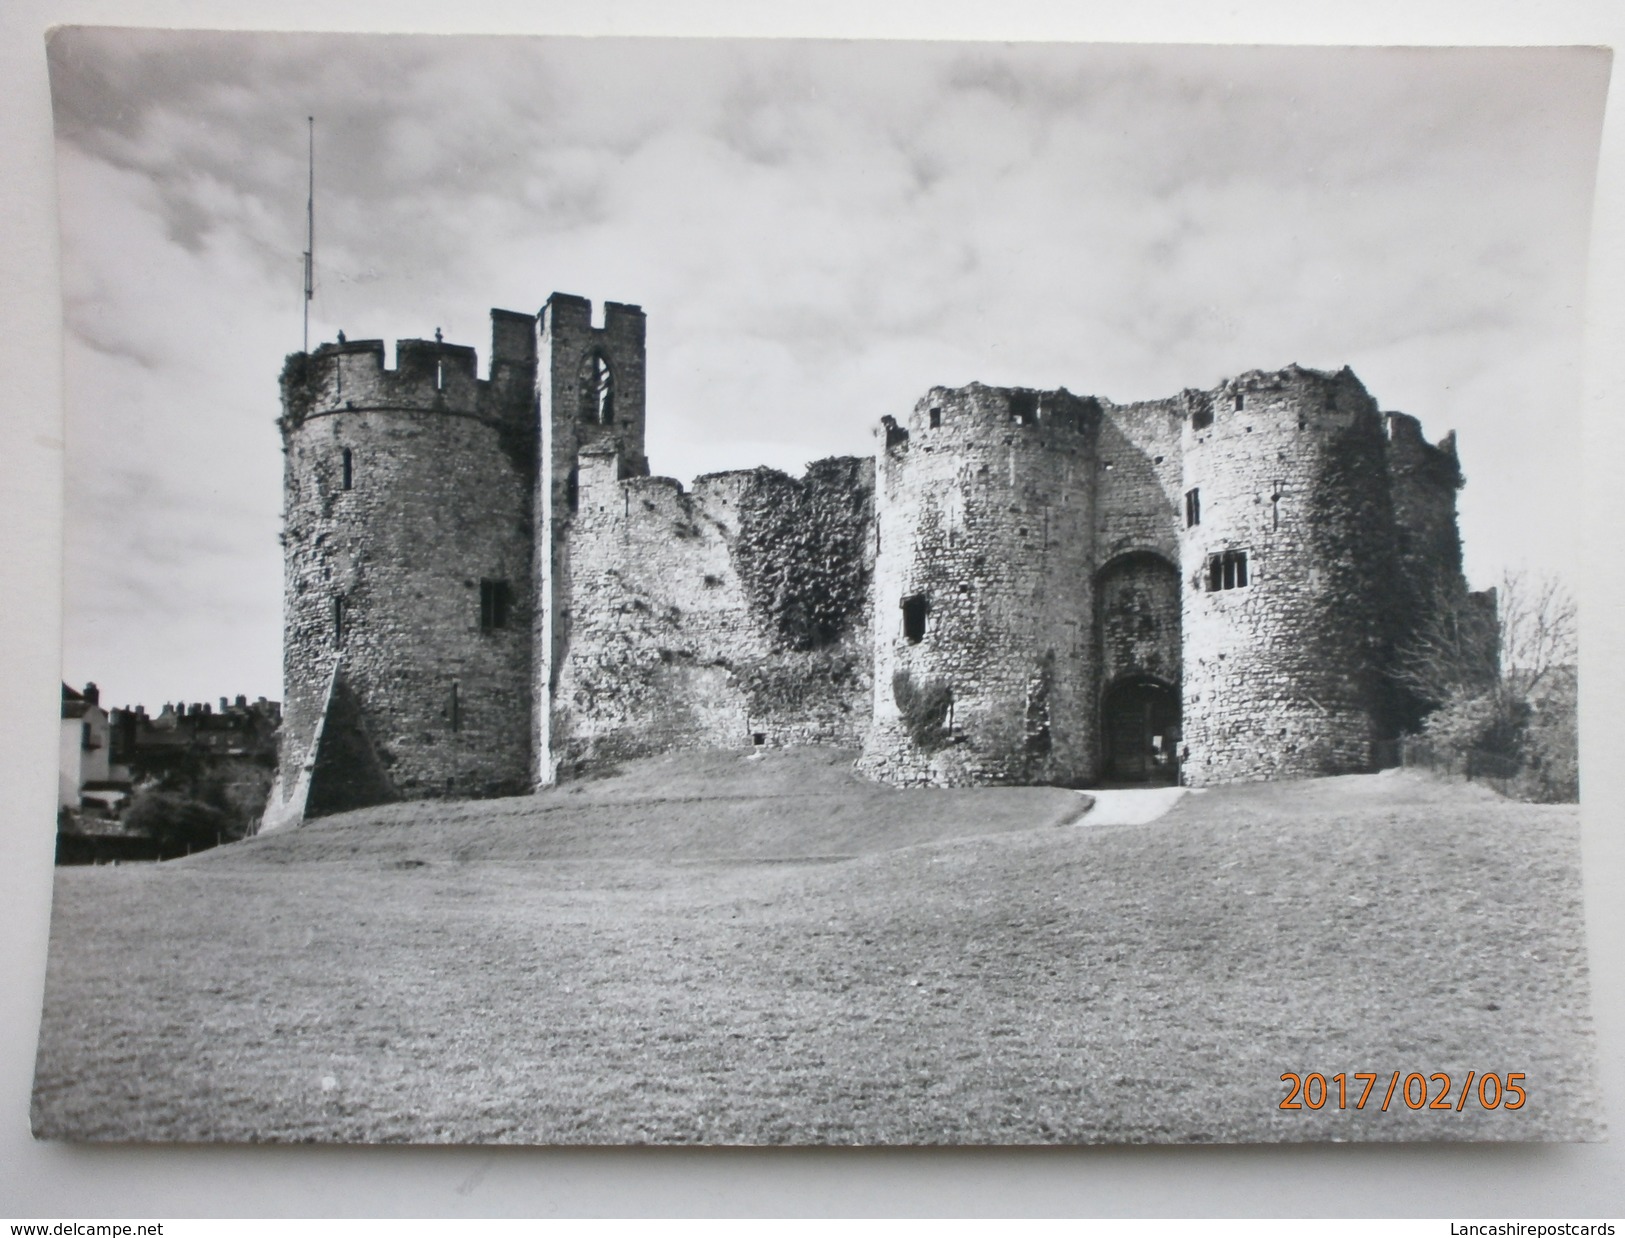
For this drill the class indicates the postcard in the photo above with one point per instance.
(771, 592)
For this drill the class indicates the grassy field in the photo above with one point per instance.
(707, 949)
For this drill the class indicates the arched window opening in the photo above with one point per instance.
(597, 390)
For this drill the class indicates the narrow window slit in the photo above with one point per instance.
(495, 598)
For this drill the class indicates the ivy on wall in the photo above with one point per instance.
(794, 682)
(301, 384)
(924, 707)
(800, 550)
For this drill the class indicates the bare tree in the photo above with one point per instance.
(1453, 651)
(1512, 638)
(1538, 632)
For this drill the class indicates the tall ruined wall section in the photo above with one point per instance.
(984, 591)
(1285, 670)
(731, 615)
(1423, 480)
(407, 505)
(590, 406)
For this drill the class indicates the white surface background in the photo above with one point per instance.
(64, 1181)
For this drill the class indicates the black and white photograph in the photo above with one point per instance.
(735, 592)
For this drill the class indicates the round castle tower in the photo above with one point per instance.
(983, 587)
(408, 556)
(1288, 559)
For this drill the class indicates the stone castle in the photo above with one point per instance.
(486, 591)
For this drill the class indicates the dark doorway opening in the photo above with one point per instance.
(1141, 721)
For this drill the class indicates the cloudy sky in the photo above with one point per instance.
(818, 232)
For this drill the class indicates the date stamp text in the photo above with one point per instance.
(1490, 1090)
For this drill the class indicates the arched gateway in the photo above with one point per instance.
(1139, 627)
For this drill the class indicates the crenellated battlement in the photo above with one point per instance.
(566, 312)
(429, 375)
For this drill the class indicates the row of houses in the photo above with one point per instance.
(224, 754)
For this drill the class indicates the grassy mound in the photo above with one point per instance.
(634, 960)
(787, 804)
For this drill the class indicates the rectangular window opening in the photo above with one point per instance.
(1201, 419)
(439, 375)
(1024, 408)
(1241, 401)
(456, 707)
(1193, 508)
(349, 469)
(936, 418)
(338, 623)
(914, 610)
(495, 599)
(1227, 571)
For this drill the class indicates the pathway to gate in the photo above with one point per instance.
(1131, 805)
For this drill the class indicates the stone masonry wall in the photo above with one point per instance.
(569, 426)
(1138, 478)
(669, 640)
(986, 524)
(387, 572)
(1138, 501)
(1283, 676)
(1140, 636)
(1423, 481)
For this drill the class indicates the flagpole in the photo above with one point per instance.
(310, 230)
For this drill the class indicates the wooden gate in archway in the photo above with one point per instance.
(1140, 718)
